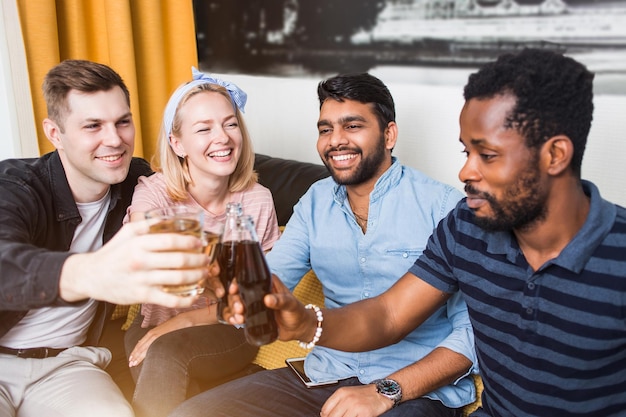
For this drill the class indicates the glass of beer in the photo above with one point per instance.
(211, 234)
(185, 220)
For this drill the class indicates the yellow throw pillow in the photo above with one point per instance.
(273, 355)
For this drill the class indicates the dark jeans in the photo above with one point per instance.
(279, 393)
(177, 361)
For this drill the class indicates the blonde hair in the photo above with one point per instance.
(175, 169)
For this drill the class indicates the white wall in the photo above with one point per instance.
(282, 114)
(19, 136)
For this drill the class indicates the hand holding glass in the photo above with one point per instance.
(188, 221)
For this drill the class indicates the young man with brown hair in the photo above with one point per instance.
(60, 250)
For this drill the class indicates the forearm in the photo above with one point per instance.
(30, 277)
(439, 368)
(72, 283)
(357, 327)
(201, 316)
(197, 317)
(377, 322)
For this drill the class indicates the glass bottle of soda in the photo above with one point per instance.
(255, 281)
(226, 252)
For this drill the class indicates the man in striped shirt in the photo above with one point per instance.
(537, 253)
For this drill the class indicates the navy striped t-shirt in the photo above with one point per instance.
(550, 342)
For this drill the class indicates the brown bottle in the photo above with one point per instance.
(226, 253)
(255, 281)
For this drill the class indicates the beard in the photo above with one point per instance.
(367, 168)
(522, 206)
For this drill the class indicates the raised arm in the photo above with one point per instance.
(132, 268)
(360, 326)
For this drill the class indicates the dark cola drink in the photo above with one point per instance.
(255, 281)
(226, 261)
(231, 234)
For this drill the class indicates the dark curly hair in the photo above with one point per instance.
(364, 88)
(554, 96)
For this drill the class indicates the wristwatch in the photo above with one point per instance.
(390, 389)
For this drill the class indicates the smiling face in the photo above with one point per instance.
(502, 178)
(209, 135)
(95, 143)
(351, 143)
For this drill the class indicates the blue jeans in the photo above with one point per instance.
(178, 361)
(279, 393)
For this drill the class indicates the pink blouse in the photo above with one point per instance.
(257, 202)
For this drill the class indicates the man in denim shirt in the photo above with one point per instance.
(360, 231)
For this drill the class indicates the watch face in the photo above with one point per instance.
(388, 387)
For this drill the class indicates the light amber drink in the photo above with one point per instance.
(185, 221)
(182, 226)
(210, 240)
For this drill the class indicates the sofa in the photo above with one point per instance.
(288, 180)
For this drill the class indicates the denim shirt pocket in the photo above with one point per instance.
(399, 260)
(410, 254)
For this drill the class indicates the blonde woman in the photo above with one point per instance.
(205, 160)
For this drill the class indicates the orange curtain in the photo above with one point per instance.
(150, 43)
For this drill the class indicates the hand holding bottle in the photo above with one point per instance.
(254, 281)
(293, 320)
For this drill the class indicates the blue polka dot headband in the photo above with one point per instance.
(238, 96)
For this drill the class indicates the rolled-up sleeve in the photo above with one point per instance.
(461, 339)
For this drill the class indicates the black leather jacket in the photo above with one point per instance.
(38, 218)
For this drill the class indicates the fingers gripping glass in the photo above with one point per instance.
(188, 221)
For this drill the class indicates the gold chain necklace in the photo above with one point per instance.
(360, 220)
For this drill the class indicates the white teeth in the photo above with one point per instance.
(344, 157)
(220, 153)
(110, 158)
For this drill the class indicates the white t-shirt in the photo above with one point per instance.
(65, 326)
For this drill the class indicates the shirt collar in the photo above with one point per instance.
(599, 223)
(64, 203)
(575, 255)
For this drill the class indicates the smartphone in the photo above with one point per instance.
(297, 365)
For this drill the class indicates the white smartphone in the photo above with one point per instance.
(297, 365)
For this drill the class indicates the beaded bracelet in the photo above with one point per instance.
(318, 330)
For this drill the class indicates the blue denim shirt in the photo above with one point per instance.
(405, 207)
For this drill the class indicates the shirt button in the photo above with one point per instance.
(361, 371)
(405, 255)
(362, 260)
(529, 310)
(531, 286)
